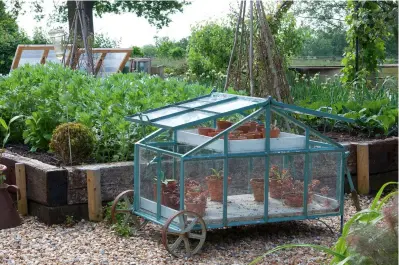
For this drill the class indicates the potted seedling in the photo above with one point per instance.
(193, 188)
(169, 191)
(274, 130)
(215, 185)
(278, 180)
(196, 202)
(293, 195)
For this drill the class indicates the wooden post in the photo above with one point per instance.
(94, 195)
(363, 184)
(20, 179)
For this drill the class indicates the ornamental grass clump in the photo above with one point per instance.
(73, 142)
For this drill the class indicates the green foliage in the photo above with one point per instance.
(374, 111)
(368, 24)
(50, 95)
(9, 40)
(209, 48)
(103, 41)
(324, 42)
(136, 52)
(166, 48)
(149, 50)
(73, 142)
(369, 237)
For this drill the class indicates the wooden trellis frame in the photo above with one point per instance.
(47, 48)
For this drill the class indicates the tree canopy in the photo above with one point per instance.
(156, 12)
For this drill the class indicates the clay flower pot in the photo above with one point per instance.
(205, 130)
(215, 188)
(296, 200)
(155, 192)
(171, 199)
(198, 208)
(276, 189)
(275, 133)
(243, 128)
(223, 125)
(252, 125)
(258, 188)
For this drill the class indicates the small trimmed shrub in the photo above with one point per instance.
(74, 136)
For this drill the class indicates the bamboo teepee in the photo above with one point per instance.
(85, 61)
(255, 61)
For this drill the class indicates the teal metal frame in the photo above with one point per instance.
(261, 106)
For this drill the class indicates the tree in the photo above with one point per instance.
(149, 50)
(103, 41)
(209, 48)
(370, 23)
(156, 12)
(136, 52)
(10, 37)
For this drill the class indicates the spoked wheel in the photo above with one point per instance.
(122, 211)
(183, 234)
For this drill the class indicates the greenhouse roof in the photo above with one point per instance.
(197, 110)
(214, 106)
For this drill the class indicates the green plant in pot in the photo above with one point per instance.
(215, 185)
(196, 202)
(294, 192)
(169, 191)
(278, 180)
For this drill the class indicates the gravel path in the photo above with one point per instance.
(95, 243)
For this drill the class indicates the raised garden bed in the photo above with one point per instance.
(55, 192)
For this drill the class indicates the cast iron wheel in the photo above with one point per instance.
(189, 229)
(122, 210)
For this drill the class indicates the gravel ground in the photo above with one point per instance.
(95, 243)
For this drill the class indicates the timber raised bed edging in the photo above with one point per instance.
(56, 192)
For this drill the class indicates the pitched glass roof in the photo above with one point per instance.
(197, 110)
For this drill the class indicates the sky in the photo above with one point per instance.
(131, 30)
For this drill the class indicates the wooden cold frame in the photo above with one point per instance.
(47, 48)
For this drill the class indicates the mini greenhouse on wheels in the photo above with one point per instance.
(226, 160)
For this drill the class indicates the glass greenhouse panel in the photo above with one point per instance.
(31, 57)
(245, 201)
(325, 185)
(148, 168)
(206, 177)
(286, 185)
(182, 119)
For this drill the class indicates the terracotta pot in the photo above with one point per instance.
(223, 125)
(252, 125)
(205, 130)
(276, 189)
(243, 128)
(251, 136)
(258, 188)
(212, 134)
(9, 216)
(198, 208)
(260, 127)
(171, 200)
(215, 188)
(296, 200)
(155, 192)
(275, 133)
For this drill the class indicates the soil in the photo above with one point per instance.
(44, 157)
(52, 159)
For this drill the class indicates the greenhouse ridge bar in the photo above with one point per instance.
(190, 176)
